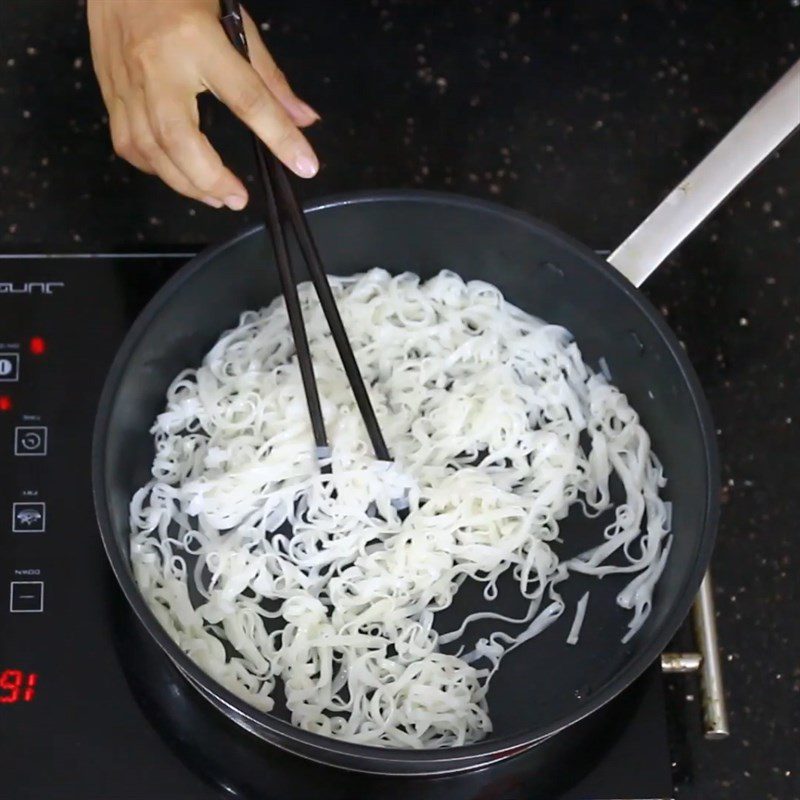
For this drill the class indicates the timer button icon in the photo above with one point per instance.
(9, 367)
(30, 440)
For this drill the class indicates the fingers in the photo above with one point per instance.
(154, 124)
(122, 138)
(175, 127)
(241, 88)
(151, 67)
(301, 113)
(148, 149)
(161, 137)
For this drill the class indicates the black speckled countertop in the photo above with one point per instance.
(581, 113)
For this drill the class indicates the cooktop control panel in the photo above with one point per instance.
(29, 503)
(61, 319)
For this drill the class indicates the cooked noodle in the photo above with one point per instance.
(262, 567)
(577, 622)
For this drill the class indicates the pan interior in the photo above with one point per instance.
(545, 681)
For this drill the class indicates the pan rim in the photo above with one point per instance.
(426, 760)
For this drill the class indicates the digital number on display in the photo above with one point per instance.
(17, 686)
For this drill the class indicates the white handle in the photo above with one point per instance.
(756, 135)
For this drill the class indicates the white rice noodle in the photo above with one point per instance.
(577, 622)
(316, 579)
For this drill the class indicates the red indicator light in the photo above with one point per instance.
(37, 345)
(5, 403)
(16, 686)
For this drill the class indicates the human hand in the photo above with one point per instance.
(153, 57)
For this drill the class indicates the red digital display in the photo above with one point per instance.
(17, 686)
(37, 345)
(5, 403)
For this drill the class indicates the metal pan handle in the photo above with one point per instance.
(756, 135)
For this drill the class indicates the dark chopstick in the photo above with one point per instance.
(281, 201)
(289, 289)
(232, 23)
(328, 302)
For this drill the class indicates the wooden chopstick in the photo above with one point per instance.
(281, 203)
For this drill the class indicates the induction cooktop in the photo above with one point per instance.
(90, 709)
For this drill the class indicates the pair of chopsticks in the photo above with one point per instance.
(282, 208)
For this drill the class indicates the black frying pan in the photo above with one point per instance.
(546, 685)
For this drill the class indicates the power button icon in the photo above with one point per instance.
(9, 367)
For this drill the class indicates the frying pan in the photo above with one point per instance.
(545, 686)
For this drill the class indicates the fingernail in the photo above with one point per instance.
(235, 202)
(213, 201)
(308, 112)
(306, 167)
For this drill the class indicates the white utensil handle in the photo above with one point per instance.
(757, 134)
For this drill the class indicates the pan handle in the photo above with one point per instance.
(771, 120)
